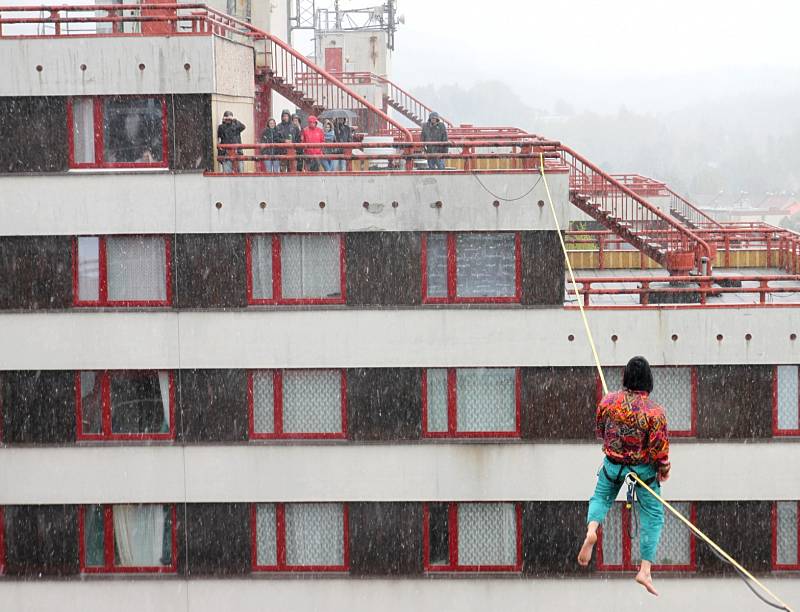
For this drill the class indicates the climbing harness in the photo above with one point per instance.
(716, 549)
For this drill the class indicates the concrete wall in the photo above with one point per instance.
(119, 202)
(112, 64)
(433, 471)
(335, 338)
(475, 595)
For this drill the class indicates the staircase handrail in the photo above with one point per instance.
(403, 93)
(257, 34)
(705, 218)
(701, 248)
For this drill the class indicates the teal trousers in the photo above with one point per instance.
(651, 512)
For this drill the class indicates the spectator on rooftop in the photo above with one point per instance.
(313, 134)
(271, 135)
(286, 132)
(434, 130)
(330, 136)
(229, 132)
(344, 133)
(297, 136)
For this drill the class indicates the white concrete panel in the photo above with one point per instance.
(234, 68)
(112, 65)
(428, 337)
(430, 471)
(126, 202)
(486, 594)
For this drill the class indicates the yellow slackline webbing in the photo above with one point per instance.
(599, 367)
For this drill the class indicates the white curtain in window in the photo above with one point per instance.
(486, 399)
(672, 388)
(485, 264)
(675, 547)
(436, 265)
(139, 534)
(314, 534)
(612, 536)
(310, 266)
(88, 268)
(266, 535)
(312, 401)
(487, 534)
(261, 257)
(788, 403)
(83, 130)
(437, 399)
(786, 536)
(263, 402)
(136, 268)
(163, 384)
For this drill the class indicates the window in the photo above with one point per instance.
(125, 405)
(128, 538)
(674, 387)
(295, 269)
(472, 537)
(121, 271)
(2, 541)
(471, 402)
(785, 535)
(618, 544)
(298, 403)
(471, 267)
(786, 401)
(300, 537)
(117, 132)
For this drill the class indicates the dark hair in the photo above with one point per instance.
(637, 376)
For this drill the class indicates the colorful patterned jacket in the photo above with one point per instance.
(633, 429)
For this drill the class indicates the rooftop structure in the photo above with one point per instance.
(213, 384)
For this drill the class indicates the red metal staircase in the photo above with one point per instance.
(689, 214)
(406, 104)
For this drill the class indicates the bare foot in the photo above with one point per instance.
(585, 554)
(647, 582)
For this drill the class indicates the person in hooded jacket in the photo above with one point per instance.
(230, 132)
(313, 134)
(344, 133)
(271, 135)
(434, 130)
(286, 132)
(297, 136)
(330, 136)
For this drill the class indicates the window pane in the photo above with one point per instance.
(136, 268)
(437, 265)
(266, 535)
(788, 407)
(786, 538)
(612, 536)
(139, 531)
(91, 403)
(263, 402)
(132, 130)
(139, 402)
(310, 266)
(83, 130)
(487, 534)
(439, 534)
(88, 268)
(93, 536)
(312, 401)
(485, 265)
(261, 257)
(437, 399)
(314, 534)
(672, 388)
(675, 545)
(486, 399)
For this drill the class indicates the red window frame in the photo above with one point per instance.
(452, 409)
(776, 431)
(99, 148)
(627, 564)
(2, 541)
(453, 565)
(674, 433)
(105, 386)
(108, 543)
(774, 527)
(277, 387)
(280, 534)
(103, 273)
(277, 289)
(452, 271)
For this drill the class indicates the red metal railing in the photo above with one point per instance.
(641, 185)
(703, 286)
(688, 211)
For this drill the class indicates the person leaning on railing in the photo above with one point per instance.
(229, 132)
(434, 130)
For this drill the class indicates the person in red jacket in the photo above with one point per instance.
(313, 134)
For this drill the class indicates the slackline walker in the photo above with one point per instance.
(612, 475)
